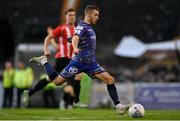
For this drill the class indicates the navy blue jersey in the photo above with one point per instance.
(87, 43)
(85, 60)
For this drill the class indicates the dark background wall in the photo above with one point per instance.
(149, 20)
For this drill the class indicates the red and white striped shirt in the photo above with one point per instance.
(64, 33)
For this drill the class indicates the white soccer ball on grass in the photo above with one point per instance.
(136, 110)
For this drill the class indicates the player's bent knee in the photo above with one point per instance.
(79, 76)
(58, 80)
(111, 80)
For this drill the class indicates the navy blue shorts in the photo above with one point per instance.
(75, 67)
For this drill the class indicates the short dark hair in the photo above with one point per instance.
(69, 10)
(90, 8)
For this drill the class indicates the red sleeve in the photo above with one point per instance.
(57, 31)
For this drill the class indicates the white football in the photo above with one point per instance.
(136, 111)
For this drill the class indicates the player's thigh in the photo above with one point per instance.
(59, 80)
(71, 70)
(105, 77)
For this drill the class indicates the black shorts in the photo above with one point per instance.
(61, 63)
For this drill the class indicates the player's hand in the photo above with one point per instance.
(47, 52)
(76, 51)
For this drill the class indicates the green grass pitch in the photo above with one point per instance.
(83, 114)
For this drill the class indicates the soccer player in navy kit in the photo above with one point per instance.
(84, 44)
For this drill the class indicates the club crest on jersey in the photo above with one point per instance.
(79, 27)
(78, 31)
(73, 70)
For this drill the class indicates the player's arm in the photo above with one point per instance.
(80, 30)
(47, 42)
(53, 42)
(55, 33)
(75, 41)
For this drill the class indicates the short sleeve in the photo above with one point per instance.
(80, 30)
(57, 31)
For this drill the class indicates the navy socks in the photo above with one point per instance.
(40, 85)
(50, 71)
(113, 93)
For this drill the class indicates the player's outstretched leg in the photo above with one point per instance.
(50, 71)
(109, 80)
(42, 60)
(28, 93)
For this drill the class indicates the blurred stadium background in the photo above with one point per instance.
(146, 75)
